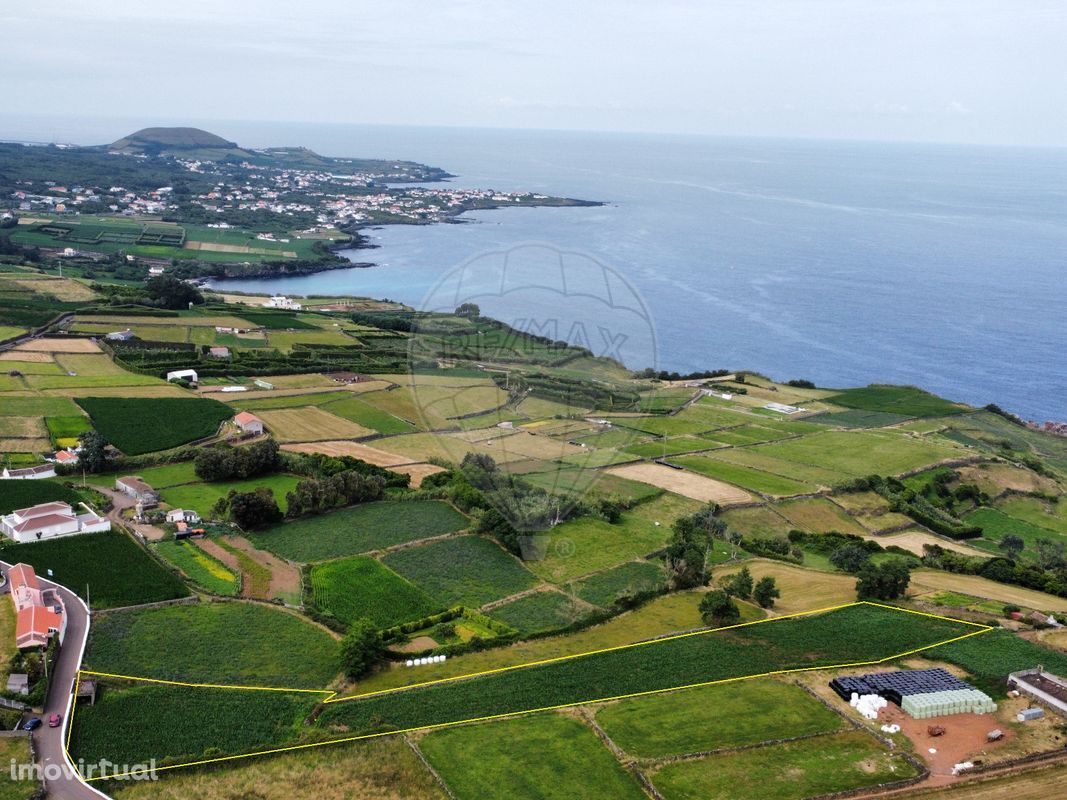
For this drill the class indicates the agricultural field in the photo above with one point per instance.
(789, 771)
(587, 544)
(853, 634)
(364, 769)
(161, 423)
(308, 424)
(996, 525)
(631, 579)
(360, 529)
(746, 477)
(540, 612)
(198, 567)
(114, 569)
(202, 496)
(818, 515)
(1038, 512)
(927, 580)
(359, 586)
(240, 643)
(162, 477)
(905, 400)
(15, 750)
(550, 756)
(990, 658)
(23, 494)
(364, 414)
(858, 453)
(465, 570)
(714, 718)
(802, 589)
(687, 484)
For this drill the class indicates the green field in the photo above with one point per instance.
(66, 430)
(1039, 512)
(354, 409)
(23, 494)
(996, 525)
(857, 418)
(540, 613)
(206, 572)
(13, 751)
(715, 718)
(187, 723)
(626, 580)
(546, 756)
(38, 406)
(464, 570)
(359, 586)
(745, 477)
(790, 771)
(202, 496)
(658, 448)
(990, 658)
(588, 544)
(145, 425)
(905, 400)
(859, 633)
(360, 529)
(110, 565)
(860, 453)
(161, 477)
(221, 642)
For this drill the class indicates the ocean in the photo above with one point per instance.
(844, 263)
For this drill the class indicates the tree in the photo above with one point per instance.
(469, 310)
(850, 557)
(169, 292)
(718, 608)
(886, 581)
(361, 648)
(766, 591)
(254, 509)
(1012, 544)
(93, 453)
(1051, 554)
(739, 584)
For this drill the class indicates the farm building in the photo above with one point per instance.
(248, 423)
(345, 377)
(183, 375)
(135, 487)
(262, 384)
(1046, 688)
(920, 693)
(219, 352)
(50, 521)
(39, 612)
(28, 473)
(67, 456)
(182, 515)
(120, 336)
(281, 301)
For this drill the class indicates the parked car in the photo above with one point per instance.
(32, 724)
(54, 720)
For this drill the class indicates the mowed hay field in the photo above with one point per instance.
(549, 756)
(364, 452)
(696, 487)
(309, 424)
(384, 769)
(858, 453)
(924, 581)
(802, 589)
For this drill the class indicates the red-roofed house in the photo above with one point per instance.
(249, 423)
(66, 457)
(49, 521)
(38, 612)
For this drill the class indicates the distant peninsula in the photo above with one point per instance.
(190, 202)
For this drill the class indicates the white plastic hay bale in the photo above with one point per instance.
(409, 663)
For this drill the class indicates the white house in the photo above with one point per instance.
(120, 336)
(28, 473)
(183, 375)
(50, 521)
(135, 487)
(39, 613)
(183, 515)
(281, 301)
(248, 423)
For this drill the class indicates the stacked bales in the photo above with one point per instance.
(921, 693)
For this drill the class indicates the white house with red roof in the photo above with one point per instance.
(39, 613)
(249, 423)
(50, 521)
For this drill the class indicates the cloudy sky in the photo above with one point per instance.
(990, 71)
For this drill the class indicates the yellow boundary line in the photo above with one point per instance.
(331, 696)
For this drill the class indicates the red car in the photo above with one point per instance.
(54, 720)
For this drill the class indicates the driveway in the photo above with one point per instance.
(119, 503)
(50, 743)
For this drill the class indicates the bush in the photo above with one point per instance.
(361, 648)
(718, 608)
(886, 581)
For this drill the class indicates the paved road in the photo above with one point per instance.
(51, 742)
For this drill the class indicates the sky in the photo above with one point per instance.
(981, 71)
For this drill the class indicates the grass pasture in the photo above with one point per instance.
(790, 771)
(996, 525)
(858, 453)
(746, 477)
(548, 756)
(714, 718)
(144, 425)
(540, 612)
(309, 424)
(223, 642)
(908, 401)
(464, 570)
(359, 529)
(818, 515)
(202, 496)
(115, 570)
(359, 586)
